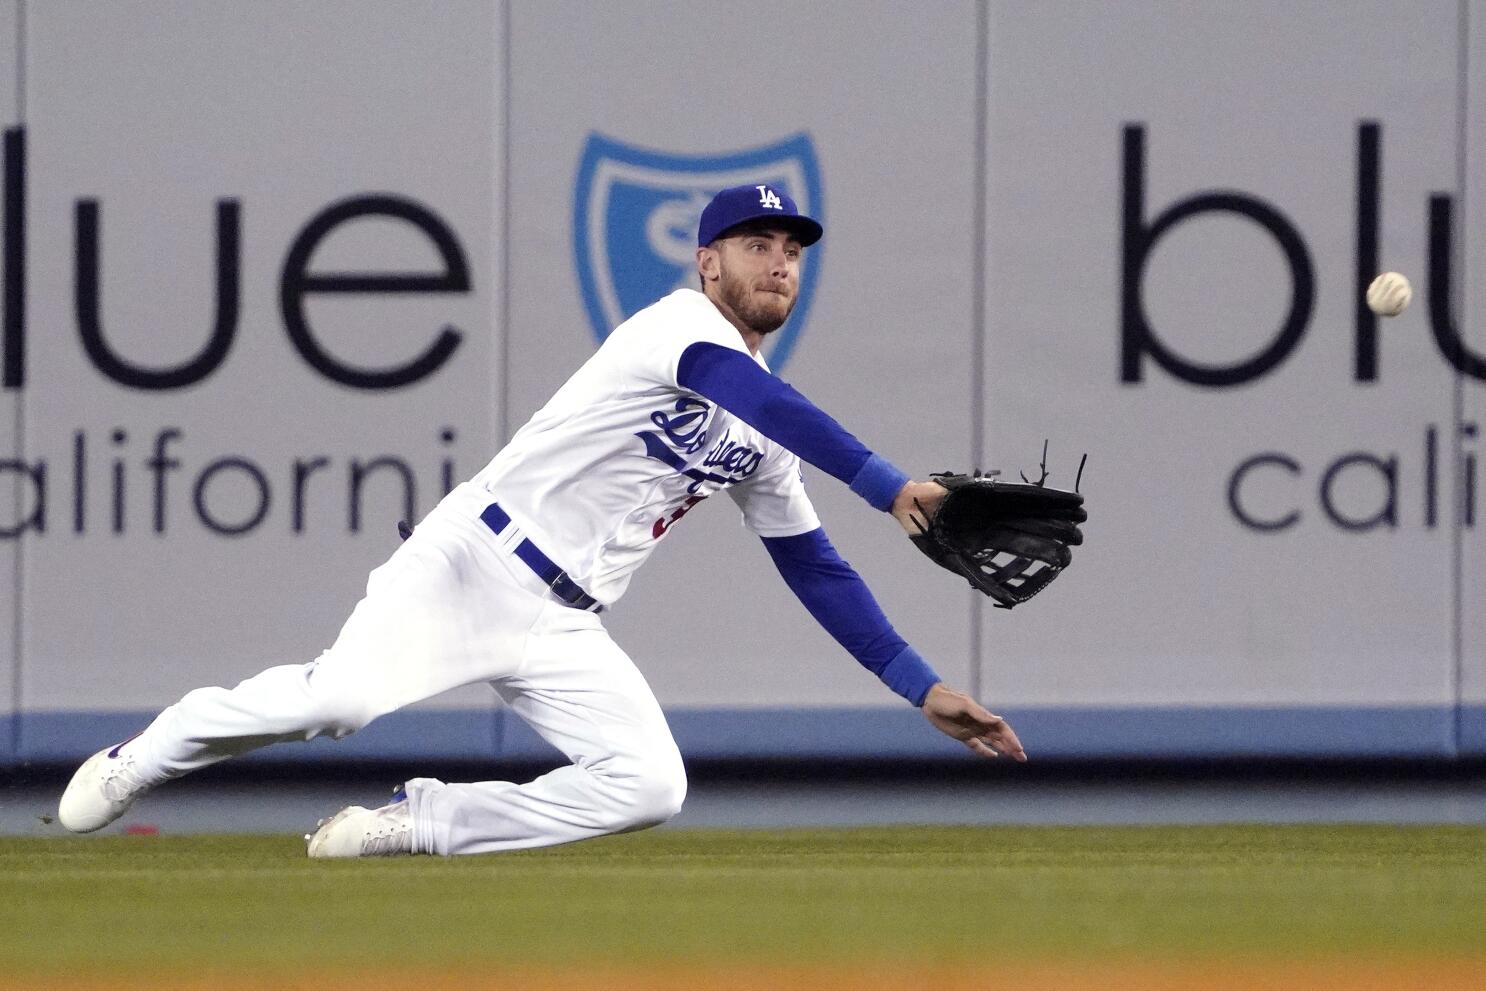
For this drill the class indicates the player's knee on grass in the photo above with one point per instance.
(647, 795)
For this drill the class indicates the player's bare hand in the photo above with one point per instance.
(960, 716)
(916, 504)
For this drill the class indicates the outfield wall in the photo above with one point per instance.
(275, 273)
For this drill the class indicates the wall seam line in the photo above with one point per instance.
(1457, 307)
(503, 406)
(505, 229)
(977, 316)
(17, 683)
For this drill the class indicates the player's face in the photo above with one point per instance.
(760, 277)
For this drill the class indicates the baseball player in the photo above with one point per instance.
(507, 579)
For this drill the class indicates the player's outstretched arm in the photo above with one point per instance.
(958, 715)
(833, 593)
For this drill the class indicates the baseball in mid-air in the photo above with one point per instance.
(1389, 294)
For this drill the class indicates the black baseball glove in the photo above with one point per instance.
(1008, 539)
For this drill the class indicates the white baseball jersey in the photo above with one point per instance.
(622, 452)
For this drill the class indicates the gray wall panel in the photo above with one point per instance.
(1471, 314)
(887, 105)
(13, 490)
(283, 109)
(1174, 601)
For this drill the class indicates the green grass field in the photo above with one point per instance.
(852, 897)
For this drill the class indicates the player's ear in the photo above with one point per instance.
(709, 264)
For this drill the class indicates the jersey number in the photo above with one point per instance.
(662, 525)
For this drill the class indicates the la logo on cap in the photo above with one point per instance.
(767, 197)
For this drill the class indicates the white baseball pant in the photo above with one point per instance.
(454, 606)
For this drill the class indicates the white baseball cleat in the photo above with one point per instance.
(101, 790)
(361, 832)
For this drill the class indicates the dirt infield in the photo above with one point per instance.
(1226, 975)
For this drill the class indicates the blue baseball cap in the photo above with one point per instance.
(740, 204)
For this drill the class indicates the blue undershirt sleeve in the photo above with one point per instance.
(734, 381)
(843, 605)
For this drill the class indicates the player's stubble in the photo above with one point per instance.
(762, 307)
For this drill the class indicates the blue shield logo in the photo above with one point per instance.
(635, 215)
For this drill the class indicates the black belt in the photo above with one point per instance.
(556, 580)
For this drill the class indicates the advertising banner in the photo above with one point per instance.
(1183, 214)
(278, 275)
(258, 329)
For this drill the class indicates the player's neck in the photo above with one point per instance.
(752, 339)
